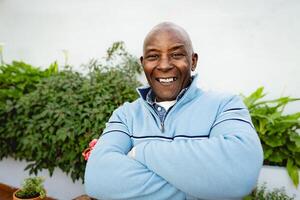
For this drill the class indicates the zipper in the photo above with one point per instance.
(162, 127)
(162, 123)
(171, 109)
(156, 116)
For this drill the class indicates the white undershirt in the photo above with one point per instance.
(166, 104)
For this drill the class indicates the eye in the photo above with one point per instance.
(152, 57)
(177, 56)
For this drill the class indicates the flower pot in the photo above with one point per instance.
(16, 198)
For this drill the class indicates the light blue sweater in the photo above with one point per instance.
(207, 149)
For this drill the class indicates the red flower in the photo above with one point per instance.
(93, 143)
(86, 153)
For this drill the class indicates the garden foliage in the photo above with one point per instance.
(16, 80)
(19, 78)
(261, 193)
(278, 132)
(52, 124)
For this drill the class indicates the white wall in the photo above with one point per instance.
(242, 44)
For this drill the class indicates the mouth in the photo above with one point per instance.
(166, 81)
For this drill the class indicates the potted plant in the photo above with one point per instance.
(279, 135)
(262, 193)
(32, 189)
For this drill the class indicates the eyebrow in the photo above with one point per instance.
(173, 47)
(177, 46)
(151, 48)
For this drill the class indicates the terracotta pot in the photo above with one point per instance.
(16, 198)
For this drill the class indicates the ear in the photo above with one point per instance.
(194, 61)
(141, 60)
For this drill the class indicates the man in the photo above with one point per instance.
(176, 141)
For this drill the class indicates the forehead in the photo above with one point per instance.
(166, 38)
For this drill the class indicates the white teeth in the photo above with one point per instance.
(166, 80)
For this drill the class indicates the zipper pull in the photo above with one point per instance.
(162, 127)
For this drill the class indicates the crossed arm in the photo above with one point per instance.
(224, 166)
(111, 174)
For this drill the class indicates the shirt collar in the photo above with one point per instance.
(150, 97)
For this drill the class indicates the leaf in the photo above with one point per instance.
(252, 98)
(274, 140)
(297, 159)
(29, 166)
(295, 137)
(293, 172)
(276, 157)
(62, 134)
(267, 153)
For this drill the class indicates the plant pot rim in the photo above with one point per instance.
(17, 198)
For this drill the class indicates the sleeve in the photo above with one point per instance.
(111, 174)
(224, 166)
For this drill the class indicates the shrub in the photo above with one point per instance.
(278, 132)
(19, 78)
(16, 80)
(56, 121)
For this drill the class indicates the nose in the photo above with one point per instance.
(164, 64)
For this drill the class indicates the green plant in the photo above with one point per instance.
(54, 123)
(16, 80)
(32, 187)
(261, 193)
(278, 132)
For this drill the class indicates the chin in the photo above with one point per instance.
(167, 97)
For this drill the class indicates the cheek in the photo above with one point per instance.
(148, 68)
(184, 68)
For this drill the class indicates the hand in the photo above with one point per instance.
(131, 153)
(86, 153)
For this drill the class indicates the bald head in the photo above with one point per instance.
(168, 60)
(169, 28)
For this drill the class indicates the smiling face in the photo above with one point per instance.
(168, 60)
